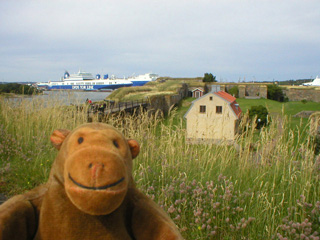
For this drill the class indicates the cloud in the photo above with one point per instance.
(265, 39)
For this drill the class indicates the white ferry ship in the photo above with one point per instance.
(142, 79)
(85, 81)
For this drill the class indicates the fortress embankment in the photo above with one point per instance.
(246, 90)
(298, 94)
(258, 90)
(253, 90)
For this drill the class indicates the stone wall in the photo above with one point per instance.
(298, 94)
(261, 90)
(165, 102)
(248, 90)
(242, 91)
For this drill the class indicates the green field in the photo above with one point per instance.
(264, 187)
(274, 107)
(288, 109)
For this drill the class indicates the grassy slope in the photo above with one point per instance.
(150, 89)
(208, 190)
(275, 107)
(278, 184)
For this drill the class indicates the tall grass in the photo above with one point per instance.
(266, 186)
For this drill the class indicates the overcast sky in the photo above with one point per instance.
(258, 40)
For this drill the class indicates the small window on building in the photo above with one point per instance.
(202, 109)
(211, 98)
(218, 109)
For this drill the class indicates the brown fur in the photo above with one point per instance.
(90, 194)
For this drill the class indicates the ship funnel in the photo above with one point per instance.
(105, 76)
(66, 75)
(98, 76)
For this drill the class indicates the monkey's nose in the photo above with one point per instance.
(96, 170)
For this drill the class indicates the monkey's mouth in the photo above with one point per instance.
(96, 188)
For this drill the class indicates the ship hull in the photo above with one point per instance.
(139, 83)
(88, 87)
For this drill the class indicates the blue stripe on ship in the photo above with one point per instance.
(139, 83)
(88, 87)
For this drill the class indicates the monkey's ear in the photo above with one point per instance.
(58, 136)
(134, 147)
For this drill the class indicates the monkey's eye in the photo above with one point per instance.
(80, 140)
(115, 143)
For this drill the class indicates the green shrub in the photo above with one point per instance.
(276, 93)
(260, 113)
(234, 91)
(17, 88)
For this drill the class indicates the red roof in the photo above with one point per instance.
(198, 89)
(236, 108)
(226, 96)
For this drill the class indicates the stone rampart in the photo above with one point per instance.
(247, 90)
(165, 102)
(298, 94)
(261, 90)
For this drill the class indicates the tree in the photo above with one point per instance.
(234, 91)
(261, 114)
(275, 93)
(17, 88)
(208, 77)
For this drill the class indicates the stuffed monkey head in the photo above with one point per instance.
(95, 163)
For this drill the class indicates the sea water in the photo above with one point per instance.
(75, 97)
(50, 98)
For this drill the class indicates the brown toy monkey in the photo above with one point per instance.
(90, 194)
